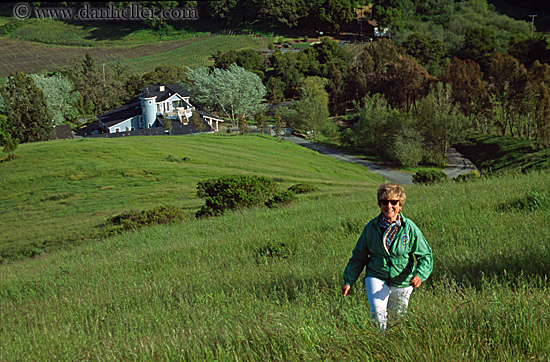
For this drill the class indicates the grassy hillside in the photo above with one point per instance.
(263, 285)
(62, 191)
(39, 45)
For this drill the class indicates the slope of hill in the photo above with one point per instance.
(60, 192)
(263, 284)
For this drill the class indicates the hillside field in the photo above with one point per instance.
(61, 192)
(260, 284)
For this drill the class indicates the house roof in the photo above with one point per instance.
(122, 113)
(162, 95)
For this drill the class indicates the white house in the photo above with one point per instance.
(150, 110)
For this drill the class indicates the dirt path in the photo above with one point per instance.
(458, 164)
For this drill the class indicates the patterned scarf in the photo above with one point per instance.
(391, 230)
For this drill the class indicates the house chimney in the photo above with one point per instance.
(161, 88)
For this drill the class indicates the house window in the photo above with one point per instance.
(117, 130)
(158, 107)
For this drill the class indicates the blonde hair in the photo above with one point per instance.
(389, 190)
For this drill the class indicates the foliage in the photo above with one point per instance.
(407, 147)
(439, 121)
(479, 45)
(310, 113)
(233, 92)
(247, 59)
(533, 200)
(429, 177)
(233, 193)
(375, 126)
(60, 96)
(469, 177)
(302, 188)
(26, 110)
(197, 123)
(425, 49)
(135, 219)
(99, 85)
(281, 198)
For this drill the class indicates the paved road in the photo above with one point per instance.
(458, 164)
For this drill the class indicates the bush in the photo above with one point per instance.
(532, 201)
(429, 177)
(281, 198)
(234, 192)
(472, 176)
(302, 188)
(135, 219)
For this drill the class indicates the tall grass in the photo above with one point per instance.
(62, 192)
(207, 290)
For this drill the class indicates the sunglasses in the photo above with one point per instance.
(385, 202)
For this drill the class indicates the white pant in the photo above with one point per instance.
(383, 298)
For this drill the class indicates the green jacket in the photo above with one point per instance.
(409, 255)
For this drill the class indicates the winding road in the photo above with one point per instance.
(458, 164)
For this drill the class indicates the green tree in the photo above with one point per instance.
(375, 126)
(196, 123)
(310, 113)
(335, 14)
(260, 120)
(247, 59)
(288, 13)
(402, 83)
(60, 96)
(99, 85)
(428, 51)
(25, 105)
(439, 121)
(479, 45)
(233, 92)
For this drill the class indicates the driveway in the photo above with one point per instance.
(458, 164)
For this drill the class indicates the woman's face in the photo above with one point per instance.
(388, 209)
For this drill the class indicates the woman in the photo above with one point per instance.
(395, 253)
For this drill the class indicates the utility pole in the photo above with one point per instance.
(532, 24)
(103, 74)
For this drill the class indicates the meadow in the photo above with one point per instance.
(45, 45)
(261, 284)
(62, 192)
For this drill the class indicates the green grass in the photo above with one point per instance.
(61, 192)
(42, 45)
(205, 290)
(492, 153)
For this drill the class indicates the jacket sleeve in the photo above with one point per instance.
(360, 257)
(423, 255)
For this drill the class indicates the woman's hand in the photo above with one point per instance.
(345, 289)
(415, 281)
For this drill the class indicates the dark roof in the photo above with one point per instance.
(169, 90)
(128, 110)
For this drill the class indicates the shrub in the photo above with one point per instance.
(472, 176)
(234, 192)
(302, 188)
(281, 198)
(135, 219)
(532, 201)
(272, 249)
(429, 177)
